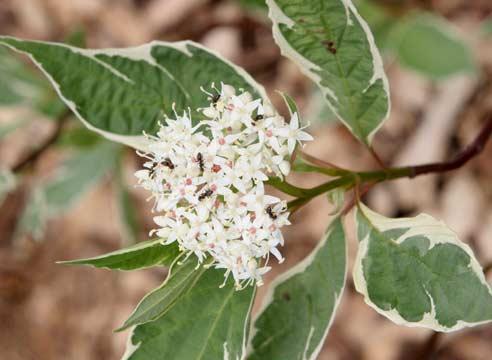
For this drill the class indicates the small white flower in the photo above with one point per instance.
(293, 133)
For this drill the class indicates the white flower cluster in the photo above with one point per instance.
(207, 182)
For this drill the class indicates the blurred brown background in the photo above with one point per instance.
(49, 311)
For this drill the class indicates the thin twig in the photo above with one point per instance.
(356, 198)
(376, 157)
(469, 152)
(349, 180)
(33, 156)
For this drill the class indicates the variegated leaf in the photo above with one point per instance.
(301, 305)
(181, 277)
(334, 46)
(208, 322)
(416, 272)
(121, 93)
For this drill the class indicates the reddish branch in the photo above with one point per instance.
(469, 152)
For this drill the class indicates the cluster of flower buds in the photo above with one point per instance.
(207, 182)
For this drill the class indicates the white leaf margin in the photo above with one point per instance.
(141, 52)
(299, 268)
(438, 233)
(307, 67)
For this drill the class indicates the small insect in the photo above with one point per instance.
(330, 46)
(258, 117)
(286, 296)
(201, 163)
(215, 99)
(168, 163)
(207, 193)
(269, 211)
(152, 169)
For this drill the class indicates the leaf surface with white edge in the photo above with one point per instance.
(208, 322)
(139, 256)
(302, 302)
(334, 47)
(416, 272)
(120, 93)
(181, 277)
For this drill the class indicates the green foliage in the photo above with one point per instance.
(181, 277)
(423, 42)
(290, 103)
(75, 177)
(207, 322)
(78, 137)
(429, 45)
(381, 22)
(333, 45)
(416, 272)
(77, 38)
(139, 256)
(302, 303)
(253, 4)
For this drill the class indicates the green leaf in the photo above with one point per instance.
(301, 305)
(139, 256)
(290, 103)
(253, 4)
(181, 278)
(333, 46)
(72, 180)
(208, 322)
(77, 38)
(121, 93)
(430, 46)
(381, 22)
(79, 137)
(416, 272)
